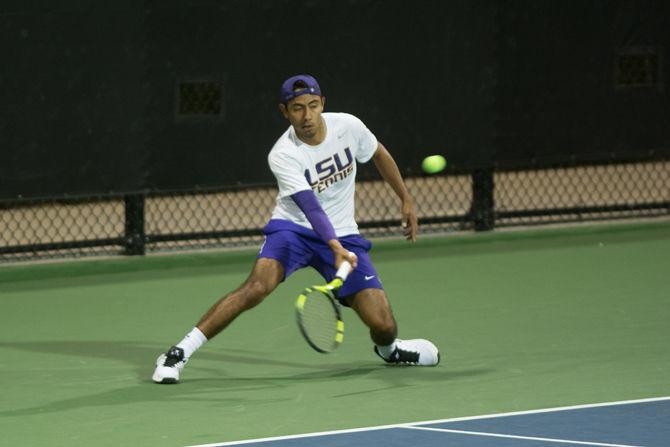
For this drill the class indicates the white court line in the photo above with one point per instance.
(526, 438)
(437, 421)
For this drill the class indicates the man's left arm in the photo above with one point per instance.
(388, 168)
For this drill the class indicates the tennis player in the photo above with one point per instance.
(313, 224)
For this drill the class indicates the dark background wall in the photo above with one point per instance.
(91, 96)
(71, 98)
(574, 81)
(416, 76)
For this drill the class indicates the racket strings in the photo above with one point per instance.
(320, 320)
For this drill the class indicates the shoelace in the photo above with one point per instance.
(173, 356)
(402, 356)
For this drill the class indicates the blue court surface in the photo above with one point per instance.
(639, 423)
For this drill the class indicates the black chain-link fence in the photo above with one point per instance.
(147, 222)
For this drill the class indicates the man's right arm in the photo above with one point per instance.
(317, 217)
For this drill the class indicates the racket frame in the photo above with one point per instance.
(327, 293)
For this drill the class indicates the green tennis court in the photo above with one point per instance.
(524, 320)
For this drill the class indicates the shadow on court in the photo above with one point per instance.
(263, 389)
(142, 356)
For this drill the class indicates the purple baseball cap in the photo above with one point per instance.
(288, 87)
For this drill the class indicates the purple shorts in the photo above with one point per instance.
(297, 247)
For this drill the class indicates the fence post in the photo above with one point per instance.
(482, 210)
(134, 236)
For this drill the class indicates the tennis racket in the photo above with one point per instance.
(318, 313)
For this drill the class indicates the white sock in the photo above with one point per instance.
(192, 342)
(386, 351)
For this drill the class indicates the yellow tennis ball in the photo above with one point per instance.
(433, 164)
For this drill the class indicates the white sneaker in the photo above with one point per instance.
(417, 352)
(169, 365)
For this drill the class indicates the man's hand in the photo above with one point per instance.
(342, 254)
(409, 220)
(391, 174)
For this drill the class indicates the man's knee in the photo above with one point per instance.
(385, 326)
(254, 291)
(264, 278)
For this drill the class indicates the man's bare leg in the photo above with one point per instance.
(263, 279)
(373, 308)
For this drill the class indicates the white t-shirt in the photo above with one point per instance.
(329, 169)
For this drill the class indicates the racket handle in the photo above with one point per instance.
(344, 270)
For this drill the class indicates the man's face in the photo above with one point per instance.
(304, 114)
